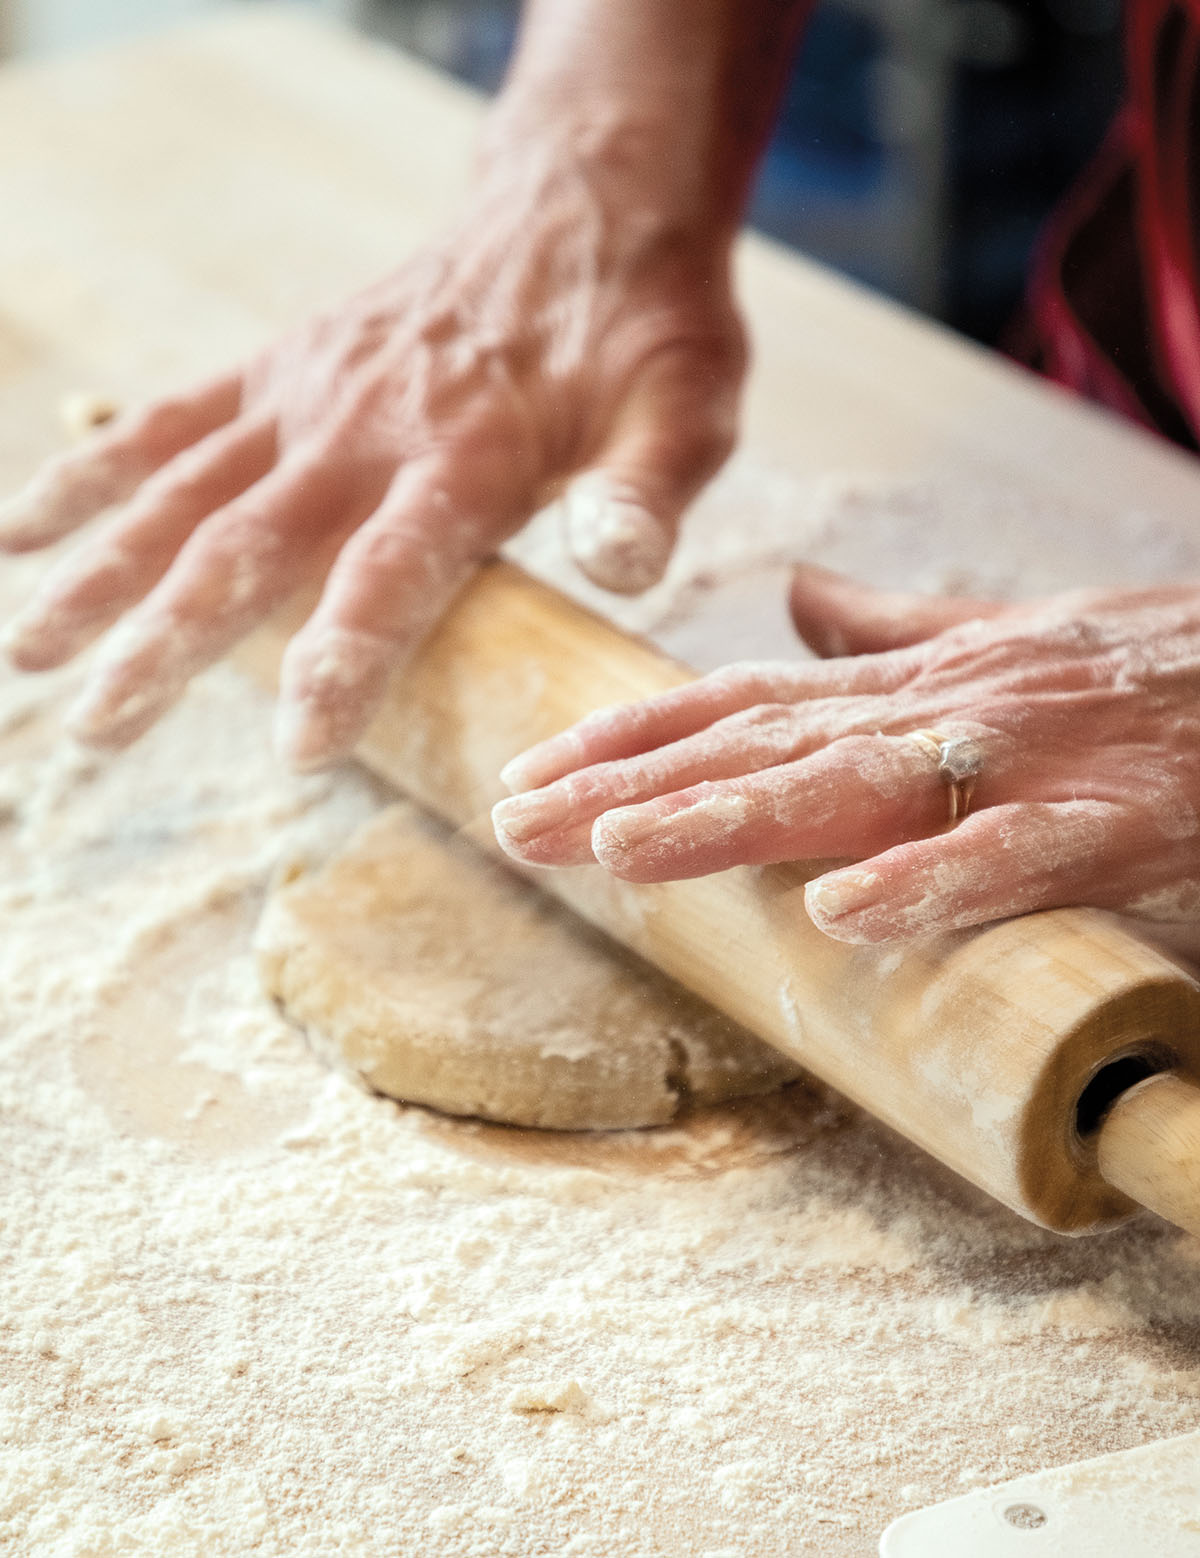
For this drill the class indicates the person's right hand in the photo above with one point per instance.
(570, 323)
(1075, 719)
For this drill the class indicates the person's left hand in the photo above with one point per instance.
(1085, 709)
(574, 333)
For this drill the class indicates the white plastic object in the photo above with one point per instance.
(1142, 1503)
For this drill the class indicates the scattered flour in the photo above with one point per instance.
(723, 596)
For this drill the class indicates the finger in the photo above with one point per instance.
(553, 825)
(857, 796)
(627, 729)
(107, 574)
(391, 583)
(835, 615)
(79, 483)
(621, 517)
(1004, 861)
(235, 569)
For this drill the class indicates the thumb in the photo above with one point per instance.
(621, 516)
(835, 615)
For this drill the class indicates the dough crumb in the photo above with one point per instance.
(83, 411)
(565, 1397)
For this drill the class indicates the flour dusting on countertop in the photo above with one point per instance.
(250, 1309)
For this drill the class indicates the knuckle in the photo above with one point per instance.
(184, 478)
(338, 449)
(163, 421)
(380, 547)
(763, 718)
(439, 323)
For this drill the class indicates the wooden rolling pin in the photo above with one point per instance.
(1051, 1059)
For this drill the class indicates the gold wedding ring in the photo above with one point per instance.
(959, 761)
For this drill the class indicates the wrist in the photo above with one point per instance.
(671, 101)
(638, 160)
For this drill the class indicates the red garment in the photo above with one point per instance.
(1112, 303)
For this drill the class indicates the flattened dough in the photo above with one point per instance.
(440, 978)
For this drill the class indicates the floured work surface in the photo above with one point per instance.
(249, 1308)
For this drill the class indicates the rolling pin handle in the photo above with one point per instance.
(1149, 1147)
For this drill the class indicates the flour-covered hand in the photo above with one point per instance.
(1085, 708)
(573, 324)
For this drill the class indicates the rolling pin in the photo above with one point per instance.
(1053, 1060)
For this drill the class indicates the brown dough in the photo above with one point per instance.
(440, 977)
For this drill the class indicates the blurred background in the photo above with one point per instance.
(920, 145)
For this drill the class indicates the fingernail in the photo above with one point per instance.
(521, 773)
(624, 829)
(521, 818)
(17, 515)
(617, 542)
(331, 683)
(540, 765)
(19, 637)
(59, 497)
(304, 736)
(41, 511)
(143, 668)
(38, 639)
(100, 717)
(841, 892)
